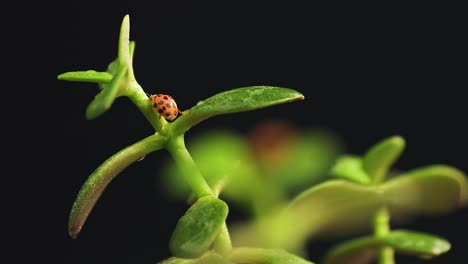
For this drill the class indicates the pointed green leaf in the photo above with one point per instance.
(350, 168)
(124, 40)
(264, 256)
(378, 159)
(100, 178)
(126, 47)
(417, 243)
(86, 76)
(198, 227)
(360, 250)
(103, 101)
(234, 101)
(131, 47)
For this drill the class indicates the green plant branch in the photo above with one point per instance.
(190, 171)
(223, 244)
(138, 97)
(386, 254)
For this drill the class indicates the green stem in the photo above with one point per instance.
(222, 244)
(136, 94)
(193, 176)
(386, 254)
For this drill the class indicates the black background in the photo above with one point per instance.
(367, 72)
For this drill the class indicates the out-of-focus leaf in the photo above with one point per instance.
(350, 168)
(306, 160)
(225, 162)
(363, 250)
(416, 243)
(234, 101)
(379, 158)
(356, 251)
(264, 256)
(435, 189)
(198, 227)
(209, 257)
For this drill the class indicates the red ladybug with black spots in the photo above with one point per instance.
(165, 105)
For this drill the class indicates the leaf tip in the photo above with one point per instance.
(74, 232)
(397, 140)
(60, 76)
(92, 113)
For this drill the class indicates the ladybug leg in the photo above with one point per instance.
(182, 112)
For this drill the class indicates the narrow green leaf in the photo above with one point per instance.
(131, 47)
(103, 101)
(378, 159)
(350, 168)
(356, 251)
(198, 227)
(124, 40)
(86, 76)
(100, 178)
(417, 243)
(234, 101)
(264, 256)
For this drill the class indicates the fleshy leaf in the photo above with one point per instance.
(100, 178)
(350, 168)
(234, 101)
(265, 256)
(363, 250)
(356, 251)
(434, 189)
(86, 76)
(198, 227)
(379, 158)
(126, 48)
(416, 243)
(209, 257)
(103, 101)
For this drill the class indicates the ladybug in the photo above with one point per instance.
(165, 105)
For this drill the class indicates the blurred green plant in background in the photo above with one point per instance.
(298, 185)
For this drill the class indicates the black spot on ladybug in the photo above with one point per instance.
(160, 111)
(161, 102)
(165, 98)
(168, 114)
(155, 105)
(164, 108)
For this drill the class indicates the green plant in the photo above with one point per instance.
(280, 226)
